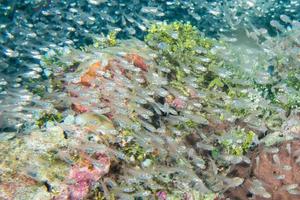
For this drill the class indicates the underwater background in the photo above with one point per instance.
(149, 99)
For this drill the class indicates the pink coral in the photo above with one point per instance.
(82, 178)
(84, 175)
(161, 195)
(178, 103)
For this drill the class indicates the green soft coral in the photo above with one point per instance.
(106, 41)
(186, 52)
(132, 149)
(187, 124)
(112, 38)
(237, 142)
(46, 117)
(178, 36)
(180, 44)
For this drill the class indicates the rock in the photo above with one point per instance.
(78, 108)
(137, 61)
(92, 71)
(84, 174)
(24, 188)
(24, 167)
(278, 173)
(86, 80)
(44, 141)
(7, 136)
(89, 76)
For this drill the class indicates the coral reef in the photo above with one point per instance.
(179, 116)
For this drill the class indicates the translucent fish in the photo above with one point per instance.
(291, 186)
(204, 146)
(289, 148)
(296, 24)
(294, 192)
(276, 159)
(162, 92)
(146, 114)
(10, 53)
(285, 19)
(233, 182)
(196, 118)
(272, 150)
(3, 82)
(215, 12)
(280, 177)
(259, 190)
(277, 25)
(152, 10)
(287, 167)
(148, 126)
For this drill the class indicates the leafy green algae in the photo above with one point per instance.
(46, 117)
(182, 49)
(237, 142)
(132, 149)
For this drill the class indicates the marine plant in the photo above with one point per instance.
(49, 117)
(237, 142)
(133, 151)
(110, 40)
(182, 49)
